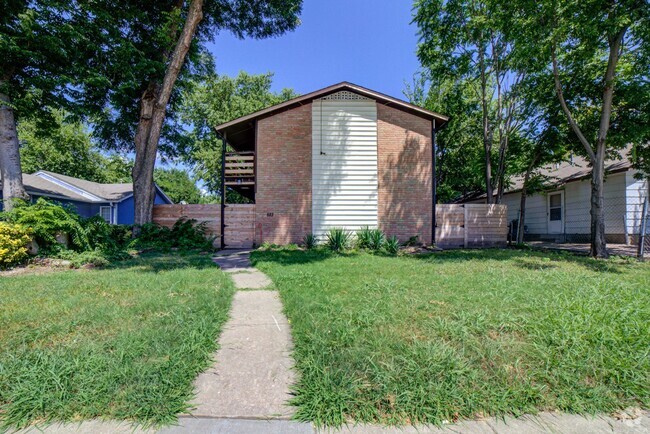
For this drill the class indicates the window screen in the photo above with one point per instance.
(555, 207)
(556, 201)
(105, 213)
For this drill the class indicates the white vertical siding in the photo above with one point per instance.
(344, 164)
(636, 191)
(577, 196)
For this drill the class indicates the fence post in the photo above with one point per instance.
(642, 234)
(465, 226)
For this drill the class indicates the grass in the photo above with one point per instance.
(463, 334)
(117, 343)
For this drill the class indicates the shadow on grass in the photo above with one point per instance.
(524, 258)
(295, 256)
(155, 262)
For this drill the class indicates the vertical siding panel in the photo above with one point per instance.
(344, 164)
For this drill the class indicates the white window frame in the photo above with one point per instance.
(110, 213)
(562, 212)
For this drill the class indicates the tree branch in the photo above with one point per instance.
(565, 108)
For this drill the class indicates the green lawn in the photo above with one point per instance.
(118, 343)
(463, 334)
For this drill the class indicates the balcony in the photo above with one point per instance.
(240, 172)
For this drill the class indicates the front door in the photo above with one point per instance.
(556, 213)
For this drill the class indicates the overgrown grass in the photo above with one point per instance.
(463, 334)
(119, 343)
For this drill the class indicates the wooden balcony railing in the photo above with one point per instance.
(240, 169)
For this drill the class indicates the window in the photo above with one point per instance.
(105, 213)
(555, 207)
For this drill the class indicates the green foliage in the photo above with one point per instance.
(178, 185)
(106, 237)
(46, 220)
(14, 239)
(392, 245)
(371, 239)
(136, 43)
(186, 234)
(309, 241)
(363, 238)
(123, 342)
(215, 100)
(420, 339)
(338, 239)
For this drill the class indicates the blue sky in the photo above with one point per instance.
(370, 43)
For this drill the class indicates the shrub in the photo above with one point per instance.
(309, 241)
(372, 239)
(338, 239)
(46, 220)
(413, 241)
(13, 243)
(377, 240)
(392, 245)
(104, 236)
(363, 238)
(186, 234)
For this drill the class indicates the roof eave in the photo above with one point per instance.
(307, 98)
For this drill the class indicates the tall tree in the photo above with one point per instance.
(64, 148)
(459, 146)
(597, 54)
(41, 44)
(177, 185)
(213, 101)
(470, 41)
(153, 50)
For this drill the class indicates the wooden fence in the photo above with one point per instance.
(471, 225)
(240, 221)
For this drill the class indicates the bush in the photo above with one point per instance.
(186, 234)
(363, 238)
(309, 241)
(392, 245)
(106, 237)
(338, 239)
(47, 220)
(377, 240)
(372, 239)
(13, 244)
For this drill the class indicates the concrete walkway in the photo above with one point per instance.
(253, 369)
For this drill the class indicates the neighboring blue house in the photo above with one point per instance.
(114, 202)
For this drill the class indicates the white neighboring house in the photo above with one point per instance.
(561, 212)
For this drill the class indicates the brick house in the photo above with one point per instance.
(342, 156)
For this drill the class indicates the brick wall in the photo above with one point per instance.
(404, 166)
(284, 177)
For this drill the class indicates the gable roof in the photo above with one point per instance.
(42, 187)
(307, 98)
(108, 192)
(575, 168)
(55, 185)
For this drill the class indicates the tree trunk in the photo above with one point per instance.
(153, 106)
(596, 156)
(522, 203)
(598, 243)
(487, 136)
(10, 169)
